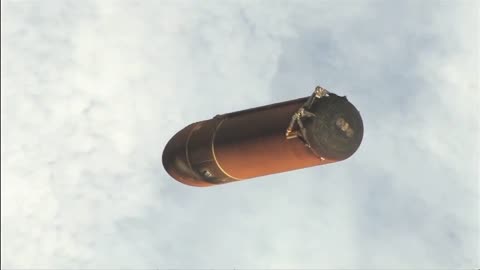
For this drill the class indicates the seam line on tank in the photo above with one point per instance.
(186, 147)
(213, 152)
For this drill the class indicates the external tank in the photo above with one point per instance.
(310, 131)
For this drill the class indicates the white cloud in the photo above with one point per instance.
(91, 92)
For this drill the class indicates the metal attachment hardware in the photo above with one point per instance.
(303, 112)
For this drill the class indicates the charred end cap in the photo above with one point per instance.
(175, 160)
(337, 130)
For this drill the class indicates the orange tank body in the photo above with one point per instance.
(254, 142)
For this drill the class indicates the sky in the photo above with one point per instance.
(91, 91)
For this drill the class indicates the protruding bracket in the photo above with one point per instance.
(321, 92)
(318, 93)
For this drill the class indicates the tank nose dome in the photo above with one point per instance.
(175, 160)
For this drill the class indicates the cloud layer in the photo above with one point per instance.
(92, 91)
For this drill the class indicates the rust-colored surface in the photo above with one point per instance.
(252, 143)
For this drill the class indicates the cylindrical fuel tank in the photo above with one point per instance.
(251, 143)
